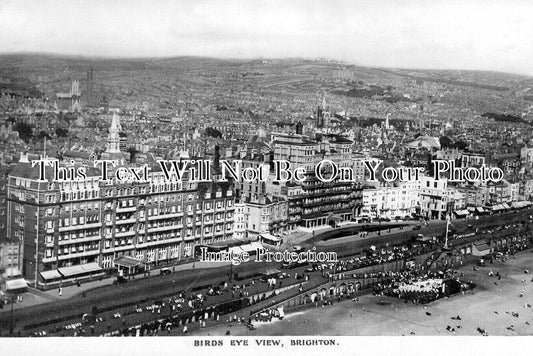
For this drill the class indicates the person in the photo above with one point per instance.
(60, 291)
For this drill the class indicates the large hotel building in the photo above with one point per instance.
(76, 229)
(88, 224)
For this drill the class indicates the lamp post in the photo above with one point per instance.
(230, 272)
(11, 326)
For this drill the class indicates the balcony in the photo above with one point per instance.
(119, 248)
(80, 227)
(126, 209)
(78, 240)
(189, 238)
(158, 242)
(78, 254)
(125, 233)
(165, 228)
(166, 216)
(126, 221)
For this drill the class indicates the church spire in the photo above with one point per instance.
(115, 123)
(113, 139)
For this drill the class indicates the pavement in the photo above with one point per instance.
(489, 306)
(36, 297)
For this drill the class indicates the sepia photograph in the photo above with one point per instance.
(265, 175)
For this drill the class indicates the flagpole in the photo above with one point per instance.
(447, 226)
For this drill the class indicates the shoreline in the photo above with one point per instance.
(502, 307)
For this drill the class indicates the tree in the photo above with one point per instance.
(61, 132)
(133, 154)
(461, 145)
(25, 131)
(446, 142)
(42, 135)
(213, 132)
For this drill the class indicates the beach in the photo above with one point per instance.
(500, 306)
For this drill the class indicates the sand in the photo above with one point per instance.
(489, 306)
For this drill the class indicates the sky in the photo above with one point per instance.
(492, 35)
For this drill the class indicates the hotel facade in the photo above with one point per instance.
(77, 229)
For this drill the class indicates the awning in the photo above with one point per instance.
(271, 272)
(480, 210)
(482, 247)
(126, 261)
(79, 269)
(91, 267)
(14, 284)
(247, 248)
(461, 212)
(48, 275)
(506, 206)
(70, 271)
(520, 204)
(270, 237)
(497, 207)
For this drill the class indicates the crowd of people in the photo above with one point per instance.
(416, 286)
